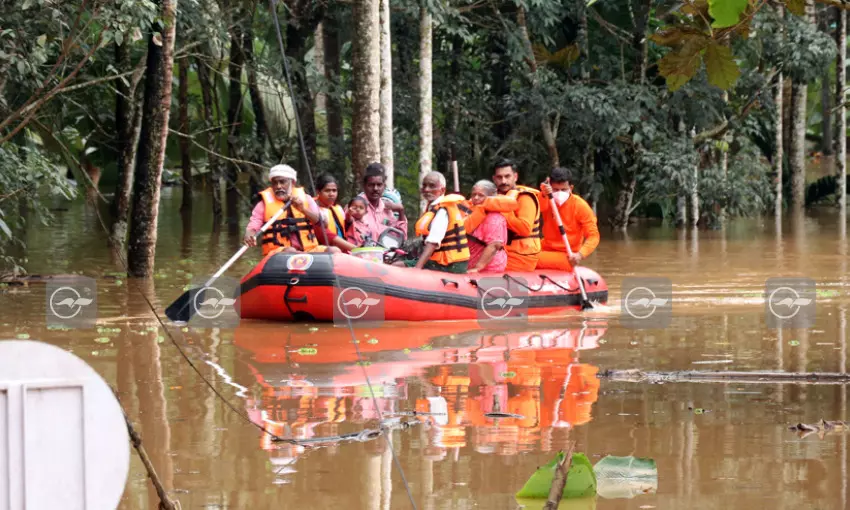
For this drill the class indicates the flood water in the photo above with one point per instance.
(716, 445)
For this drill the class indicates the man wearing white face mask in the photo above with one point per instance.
(577, 217)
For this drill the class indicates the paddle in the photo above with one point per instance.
(181, 310)
(585, 303)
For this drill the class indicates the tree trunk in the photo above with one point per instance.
(841, 124)
(366, 64)
(797, 154)
(234, 124)
(549, 134)
(826, 91)
(681, 209)
(152, 140)
(584, 46)
(639, 39)
(127, 126)
(321, 102)
(211, 134)
(623, 202)
(336, 136)
(185, 158)
(386, 93)
(262, 127)
(779, 154)
(296, 47)
(426, 140)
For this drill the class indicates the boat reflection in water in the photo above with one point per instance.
(502, 392)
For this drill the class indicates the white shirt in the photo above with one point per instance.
(439, 225)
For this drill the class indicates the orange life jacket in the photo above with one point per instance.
(454, 247)
(525, 245)
(292, 221)
(477, 213)
(335, 217)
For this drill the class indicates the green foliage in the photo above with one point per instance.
(28, 182)
(726, 13)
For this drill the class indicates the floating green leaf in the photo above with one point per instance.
(726, 13)
(373, 341)
(22, 336)
(507, 375)
(625, 477)
(581, 480)
(102, 340)
(307, 351)
(794, 343)
(720, 66)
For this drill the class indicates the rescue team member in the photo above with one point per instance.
(487, 239)
(577, 217)
(523, 246)
(294, 230)
(445, 247)
(379, 212)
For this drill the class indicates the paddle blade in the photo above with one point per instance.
(181, 309)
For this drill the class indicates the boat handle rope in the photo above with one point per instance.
(446, 281)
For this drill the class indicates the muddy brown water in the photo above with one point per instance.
(716, 445)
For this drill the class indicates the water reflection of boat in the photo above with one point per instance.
(313, 384)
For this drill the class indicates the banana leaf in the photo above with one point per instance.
(626, 477)
(581, 480)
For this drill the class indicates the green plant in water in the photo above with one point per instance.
(581, 480)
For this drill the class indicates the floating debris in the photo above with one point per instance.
(307, 351)
(712, 362)
(820, 428)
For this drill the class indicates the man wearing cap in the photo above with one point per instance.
(295, 229)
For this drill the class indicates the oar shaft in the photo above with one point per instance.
(245, 247)
(563, 232)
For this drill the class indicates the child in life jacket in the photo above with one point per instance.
(356, 230)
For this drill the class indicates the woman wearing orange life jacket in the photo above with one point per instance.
(327, 190)
(445, 247)
(524, 235)
(577, 217)
(294, 231)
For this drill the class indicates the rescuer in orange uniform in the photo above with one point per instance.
(524, 235)
(577, 217)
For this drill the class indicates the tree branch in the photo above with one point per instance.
(721, 128)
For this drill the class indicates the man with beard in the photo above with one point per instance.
(523, 246)
(379, 212)
(294, 231)
(445, 246)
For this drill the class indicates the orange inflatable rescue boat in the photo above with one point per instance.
(314, 287)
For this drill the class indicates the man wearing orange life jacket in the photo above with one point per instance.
(577, 217)
(523, 246)
(294, 230)
(445, 248)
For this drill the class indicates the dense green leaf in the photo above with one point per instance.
(726, 13)
(581, 481)
(797, 7)
(720, 66)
